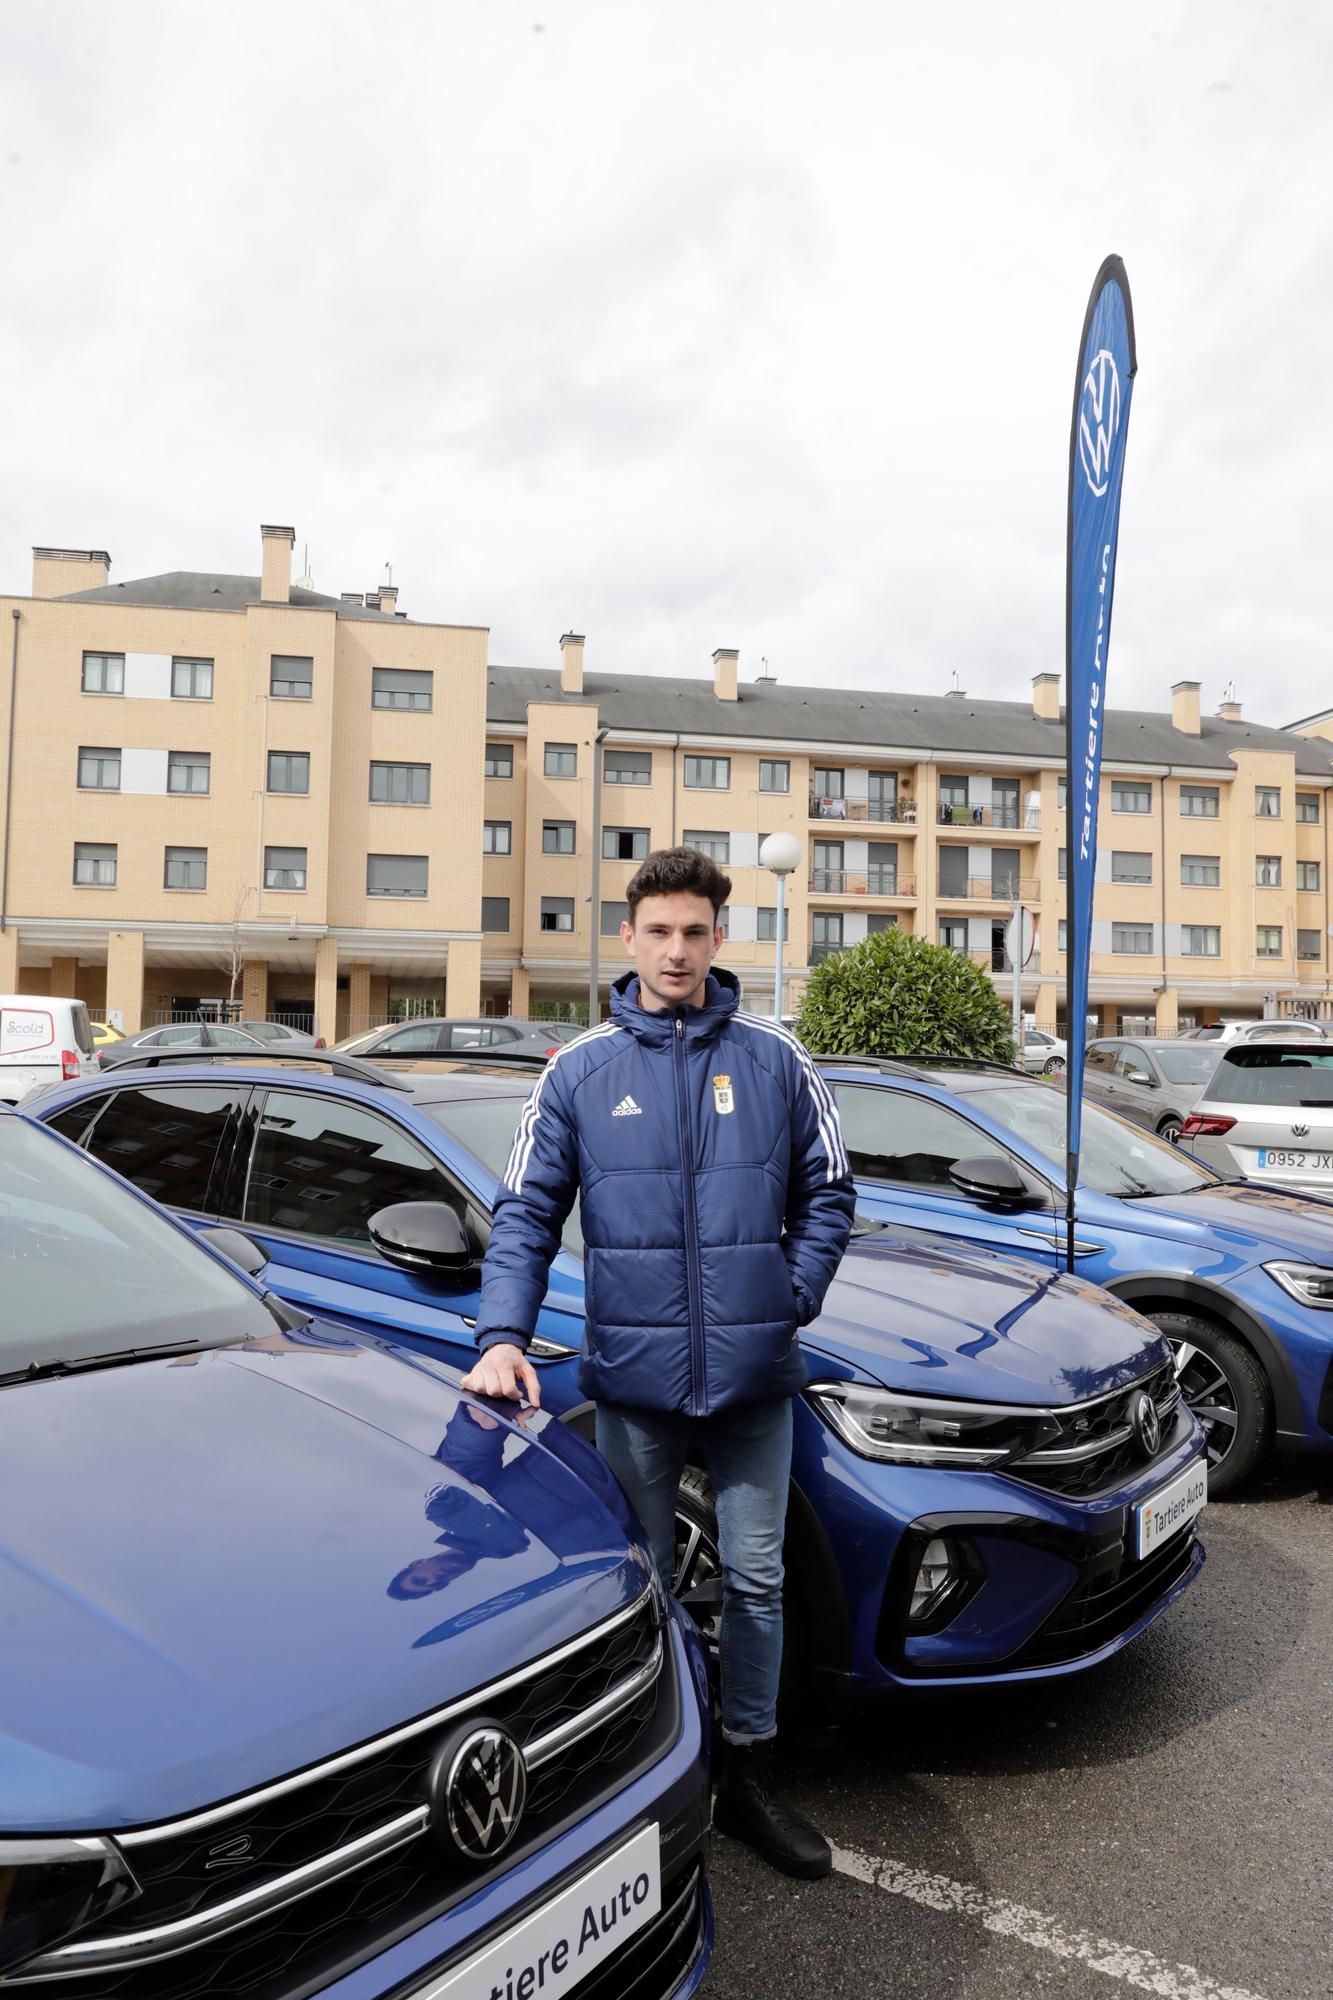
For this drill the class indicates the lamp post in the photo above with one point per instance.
(781, 855)
(595, 915)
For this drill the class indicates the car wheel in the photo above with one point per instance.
(1228, 1392)
(1169, 1129)
(697, 1585)
(1052, 1065)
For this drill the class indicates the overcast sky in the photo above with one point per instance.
(686, 325)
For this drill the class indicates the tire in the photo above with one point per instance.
(1052, 1065)
(1228, 1391)
(697, 1584)
(1169, 1129)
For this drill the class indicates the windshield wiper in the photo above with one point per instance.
(120, 1357)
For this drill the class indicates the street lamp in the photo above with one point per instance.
(781, 855)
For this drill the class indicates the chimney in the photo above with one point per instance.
(1185, 708)
(571, 663)
(1046, 697)
(726, 673)
(351, 597)
(1229, 710)
(276, 584)
(389, 597)
(372, 600)
(955, 694)
(60, 572)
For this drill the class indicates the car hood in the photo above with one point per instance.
(922, 1315)
(207, 1567)
(1237, 1220)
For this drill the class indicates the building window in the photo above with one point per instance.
(627, 767)
(1200, 871)
(562, 760)
(99, 770)
(400, 784)
(767, 930)
(953, 933)
(104, 673)
(774, 774)
(1268, 871)
(500, 762)
(284, 867)
(557, 836)
(95, 864)
(880, 920)
(1200, 941)
(497, 836)
(1131, 798)
(828, 783)
(826, 930)
(1132, 940)
(1268, 940)
(724, 920)
(1199, 801)
(495, 915)
(186, 868)
(1061, 794)
(1062, 864)
(1267, 802)
(1309, 944)
(191, 680)
(289, 771)
(188, 771)
(1307, 808)
(396, 874)
(708, 774)
(1131, 867)
(557, 913)
(717, 846)
(613, 916)
(401, 687)
(1307, 875)
(291, 678)
(625, 843)
(1061, 935)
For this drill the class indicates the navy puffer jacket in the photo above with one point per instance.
(716, 1202)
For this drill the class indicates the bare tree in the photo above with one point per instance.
(231, 951)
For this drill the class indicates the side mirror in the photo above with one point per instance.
(991, 1177)
(238, 1249)
(422, 1236)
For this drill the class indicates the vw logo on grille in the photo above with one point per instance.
(478, 1786)
(1147, 1425)
(1300, 1131)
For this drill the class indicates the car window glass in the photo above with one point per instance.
(1300, 1078)
(1101, 1055)
(499, 1036)
(83, 1033)
(324, 1167)
(1115, 1158)
(470, 1035)
(485, 1127)
(420, 1038)
(1186, 1062)
(896, 1136)
(75, 1119)
(1131, 1065)
(230, 1038)
(187, 1034)
(165, 1138)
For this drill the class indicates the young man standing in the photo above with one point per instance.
(716, 1203)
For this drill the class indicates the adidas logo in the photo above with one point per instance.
(627, 1108)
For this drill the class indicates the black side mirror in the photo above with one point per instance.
(238, 1249)
(422, 1236)
(991, 1177)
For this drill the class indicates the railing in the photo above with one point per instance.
(1026, 817)
(981, 889)
(861, 882)
(883, 812)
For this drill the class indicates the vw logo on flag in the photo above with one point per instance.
(1099, 420)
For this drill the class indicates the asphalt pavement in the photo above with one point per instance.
(1164, 1824)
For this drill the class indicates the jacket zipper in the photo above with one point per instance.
(697, 1369)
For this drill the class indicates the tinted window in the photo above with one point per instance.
(898, 1137)
(420, 1038)
(1116, 1158)
(165, 1139)
(75, 1119)
(323, 1168)
(1101, 1055)
(1297, 1077)
(484, 1127)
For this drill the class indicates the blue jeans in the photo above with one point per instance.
(747, 1452)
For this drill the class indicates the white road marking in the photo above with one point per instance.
(1032, 1927)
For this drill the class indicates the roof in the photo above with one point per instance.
(995, 729)
(202, 590)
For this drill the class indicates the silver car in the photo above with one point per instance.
(1042, 1052)
(1268, 1114)
(1223, 1033)
(1154, 1079)
(436, 1035)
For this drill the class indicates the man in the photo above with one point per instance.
(716, 1203)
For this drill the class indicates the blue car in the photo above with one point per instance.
(994, 1477)
(320, 1678)
(1239, 1276)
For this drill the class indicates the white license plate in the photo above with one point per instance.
(566, 1939)
(1171, 1508)
(1274, 1159)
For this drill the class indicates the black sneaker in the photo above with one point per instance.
(749, 1807)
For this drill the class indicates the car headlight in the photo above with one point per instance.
(54, 1889)
(1311, 1284)
(926, 1430)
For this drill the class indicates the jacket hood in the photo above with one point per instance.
(722, 997)
(220, 1568)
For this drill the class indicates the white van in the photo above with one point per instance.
(42, 1041)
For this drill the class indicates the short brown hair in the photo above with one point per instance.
(678, 871)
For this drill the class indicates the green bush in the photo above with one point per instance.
(898, 995)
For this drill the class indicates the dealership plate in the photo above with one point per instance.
(555, 1949)
(1171, 1508)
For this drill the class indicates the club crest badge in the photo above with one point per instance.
(723, 1101)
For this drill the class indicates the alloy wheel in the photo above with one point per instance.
(1210, 1394)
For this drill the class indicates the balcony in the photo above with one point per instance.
(981, 889)
(880, 812)
(861, 882)
(1014, 818)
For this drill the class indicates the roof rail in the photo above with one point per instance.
(349, 1067)
(520, 1058)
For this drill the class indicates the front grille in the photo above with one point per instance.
(1112, 1596)
(403, 1879)
(656, 1962)
(1097, 1446)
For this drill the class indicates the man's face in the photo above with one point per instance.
(673, 941)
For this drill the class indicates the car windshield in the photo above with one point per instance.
(1114, 1158)
(1186, 1063)
(485, 1127)
(89, 1269)
(1262, 1074)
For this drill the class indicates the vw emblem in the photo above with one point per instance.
(1099, 420)
(1300, 1131)
(1147, 1425)
(478, 1786)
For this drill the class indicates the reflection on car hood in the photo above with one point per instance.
(923, 1315)
(1243, 1219)
(207, 1568)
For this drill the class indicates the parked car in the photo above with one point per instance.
(43, 1040)
(1043, 1052)
(1268, 1114)
(1155, 1080)
(320, 1676)
(179, 1035)
(975, 1460)
(438, 1036)
(1224, 1032)
(275, 1033)
(104, 1034)
(1238, 1275)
